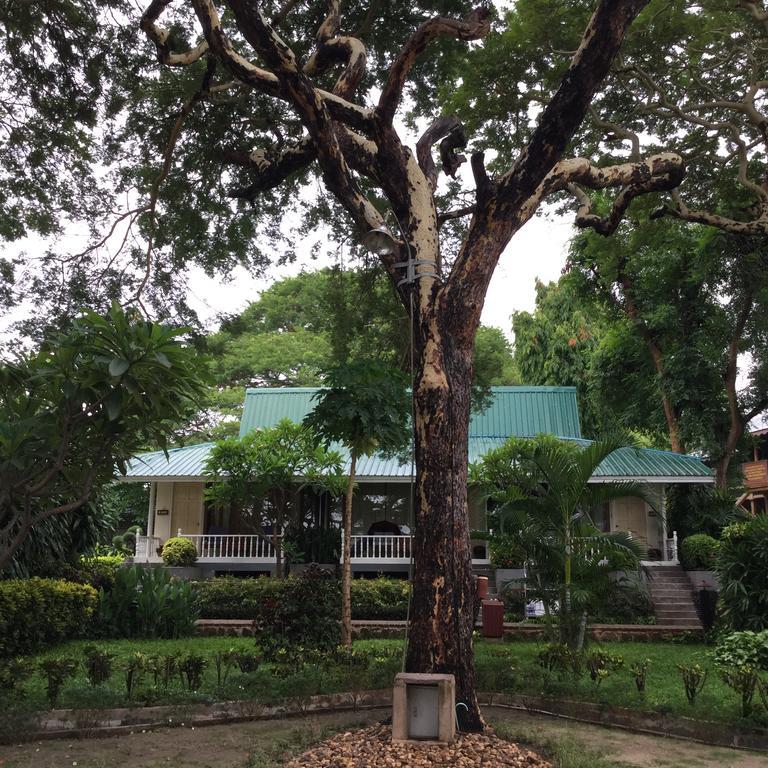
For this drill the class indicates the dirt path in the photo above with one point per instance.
(261, 745)
(621, 747)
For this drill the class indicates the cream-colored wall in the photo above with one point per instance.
(164, 501)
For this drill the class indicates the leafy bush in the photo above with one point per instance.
(56, 671)
(639, 670)
(98, 664)
(146, 602)
(600, 664)
(35, 613)
(514, 600)
(13, 673)
(505, 552)
(625, 602)
(740, 649)
(191, 667)
(301, 610)
(380, 598)
(744, 681)
(179, 552)
(698, 552)
(98, 571)
(742, 569)
(694, 676)
(560, 658)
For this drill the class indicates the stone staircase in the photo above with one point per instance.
(673, 598)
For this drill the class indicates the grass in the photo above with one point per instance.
(564, 751)
(509, 667)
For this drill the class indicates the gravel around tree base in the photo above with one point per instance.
(373, 748)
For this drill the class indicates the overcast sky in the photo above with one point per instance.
(537, 251)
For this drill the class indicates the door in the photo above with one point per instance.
(187, 508)
(630, 515)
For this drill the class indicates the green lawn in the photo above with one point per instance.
(509, 667)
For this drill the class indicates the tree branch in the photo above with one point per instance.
(474, 27)
(680, 210)
(451, 131)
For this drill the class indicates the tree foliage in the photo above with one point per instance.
(258, 478)
(545, 505)
(79, 407)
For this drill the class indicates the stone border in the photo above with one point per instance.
(88, 723)
(637, 721)
(396, 630)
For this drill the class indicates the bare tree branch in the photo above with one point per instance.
(441, 128)
(476, 26)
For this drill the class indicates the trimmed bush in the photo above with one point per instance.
(36, 613)
(179, 552)
(380, 598)
(742, 570)
(302, 610)
(698, 552)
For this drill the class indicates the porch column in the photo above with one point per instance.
(151, 513)
(663, 520)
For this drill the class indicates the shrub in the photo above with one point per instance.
(694, 677)
(698, 552)
(35, 613)
(247, 661)
(514, 599)
(192, 666)
(505, 552)
(600, 665)
(162, 667)
(133, 668)
(98, 664)
(739, 649)
(13, 673)
(742, 569)
(561, 659)
(301, 610)
(380, 598)
(56, 671)
(639, 670)
(625, 602)
(147, 602)
(179, 552)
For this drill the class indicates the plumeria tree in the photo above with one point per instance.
(79, 407)
(259, 477)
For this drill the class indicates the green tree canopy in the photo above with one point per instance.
(80, 407)
(259, 477)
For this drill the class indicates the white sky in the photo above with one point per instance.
(537, 251)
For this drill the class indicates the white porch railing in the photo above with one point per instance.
(225, 547)
(390, 549)
(146, 549)
(670, 548)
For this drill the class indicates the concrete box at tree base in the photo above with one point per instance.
(424, 708)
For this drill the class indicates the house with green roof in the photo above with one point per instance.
(382, 510)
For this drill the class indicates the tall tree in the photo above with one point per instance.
(556, 343)
(696, 300)
(359, 151)
(365, 407)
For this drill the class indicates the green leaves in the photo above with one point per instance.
(83, 404)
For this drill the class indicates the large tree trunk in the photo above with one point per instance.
(442, 615)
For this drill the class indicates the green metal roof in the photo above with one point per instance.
(518, 411)
(515, 411)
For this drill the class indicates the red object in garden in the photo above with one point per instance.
(482, 587)
(493, 618)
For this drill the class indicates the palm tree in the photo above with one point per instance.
(546, 505)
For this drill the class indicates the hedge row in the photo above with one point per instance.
(35, 613)
(232, 598)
